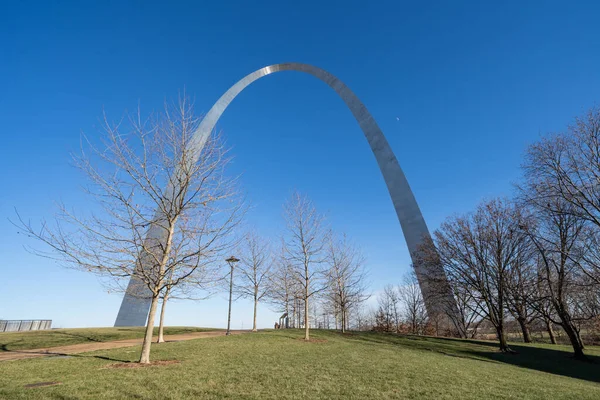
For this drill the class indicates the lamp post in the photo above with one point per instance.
(231, 261)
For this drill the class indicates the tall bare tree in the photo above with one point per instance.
(282, 286)
(520, 289)
(412, 303)
(558, 232)
(555, 236)
(560, 184)
(164, 208)
(305, 242)
(254, 270)
(479, 250)
(567, 166)
(347, 278)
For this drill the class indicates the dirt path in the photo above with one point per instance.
(86, 347)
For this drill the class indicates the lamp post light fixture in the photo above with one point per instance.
(231, 261)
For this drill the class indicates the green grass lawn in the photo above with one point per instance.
(11, 341)
(277, 365)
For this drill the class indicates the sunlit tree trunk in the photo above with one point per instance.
(145, 356)
(306, 289)
(255, 306)
(161, 325)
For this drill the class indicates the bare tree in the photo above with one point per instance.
(555, 237)
(254, 271)
(412, 303)
(561, 186)
(470, 311)
(463, 311)
(388, 318)
(362, 318)
(305, 243)
(346, 276)
(556, 234)
(165, 207)
(542, 304)
(479, 250)
(567, 166)
(520, 289)
(282, 286)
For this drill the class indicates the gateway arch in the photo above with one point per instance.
(438, 298)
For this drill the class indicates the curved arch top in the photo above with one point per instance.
(405, 204)
(411, 220)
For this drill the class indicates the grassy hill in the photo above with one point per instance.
(278, 365)
(13, 341)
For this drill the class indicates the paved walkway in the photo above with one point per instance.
(86, 347)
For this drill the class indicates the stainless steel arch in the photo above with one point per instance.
(134, 309)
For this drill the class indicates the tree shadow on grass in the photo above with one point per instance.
(98, 357)
(283, 334)
(51, 355)
(4, 346)
(553, 361)
(86, 337)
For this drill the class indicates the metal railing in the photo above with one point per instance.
(25, 325)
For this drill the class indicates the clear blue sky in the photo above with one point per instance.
(459, 89)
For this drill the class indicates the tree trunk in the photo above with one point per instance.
(572, 334)
(306, 327)
(525, 330)
(579, 338)
(337, 325)
(287, 312)
(502, 339)
(347, 324)
(145, 356)
(345, 319)
(343, 315)
(550, 330)
(254, 320)
(161, 325)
